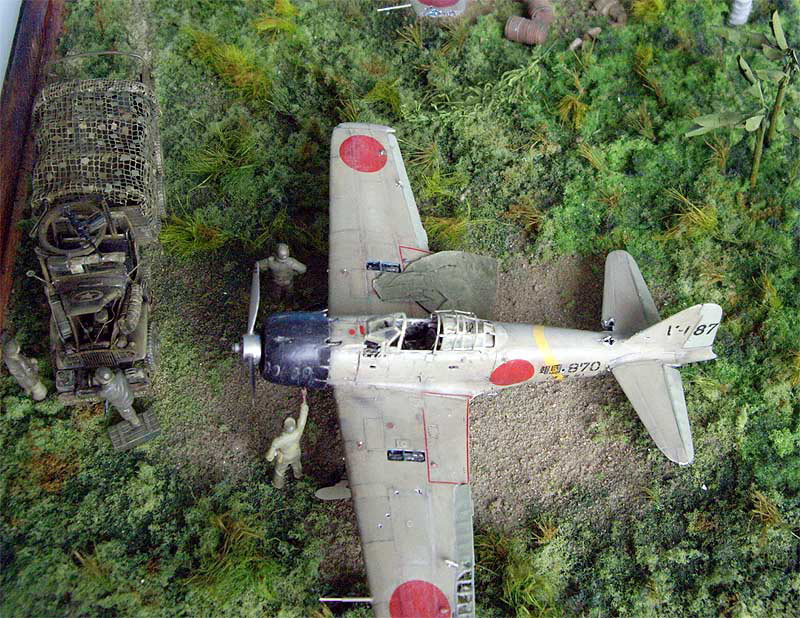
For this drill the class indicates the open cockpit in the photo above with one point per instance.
(442, 331)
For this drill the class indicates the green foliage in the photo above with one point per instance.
(240, 68)
(765, 119)
(572, 153)
(191, 235)
(386, 92)
(648, 11)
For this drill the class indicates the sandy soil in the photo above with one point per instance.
(537, 449)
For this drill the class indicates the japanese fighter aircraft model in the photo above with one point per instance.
(431, 8)
(404, 377)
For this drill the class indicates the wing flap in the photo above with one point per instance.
(416, 533)
(656, 392)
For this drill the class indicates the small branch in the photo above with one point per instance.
(776, 109)
(757, 150)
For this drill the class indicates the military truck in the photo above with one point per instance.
(98, 198)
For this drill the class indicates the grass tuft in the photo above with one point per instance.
(191, 235)
(693, 220)
(239, 68)
(572, 110)
(593, 156)
(386, 92)
(648, 11)
(525, 214)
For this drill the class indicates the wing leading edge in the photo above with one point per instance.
(375, 226)
(408, 466)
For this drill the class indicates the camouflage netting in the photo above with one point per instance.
(100, 137)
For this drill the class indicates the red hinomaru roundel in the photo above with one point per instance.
(512, 372)
(418, 599)
(363, 153)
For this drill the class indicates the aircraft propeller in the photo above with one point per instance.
(250, 348)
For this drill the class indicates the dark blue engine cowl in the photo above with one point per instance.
(296, 349)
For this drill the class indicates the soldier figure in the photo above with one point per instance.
(282, 270)
(25, 370)
(285, 449)
(114, 388)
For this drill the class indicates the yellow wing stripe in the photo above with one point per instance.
(544, 348)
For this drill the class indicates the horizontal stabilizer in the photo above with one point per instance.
(656, 392)
(628, 306)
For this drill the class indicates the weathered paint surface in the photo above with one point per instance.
(418, 599)
(512, 372)
(363, 153)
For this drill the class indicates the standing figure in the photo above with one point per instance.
(114, 388)
(285, 449)
(282, 270)
(25, 370)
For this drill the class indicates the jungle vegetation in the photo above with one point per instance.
(510, 150)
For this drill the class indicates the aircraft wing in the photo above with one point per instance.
(408, 466)
(374, 222)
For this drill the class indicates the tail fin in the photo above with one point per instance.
(654, 388)
(628, 306)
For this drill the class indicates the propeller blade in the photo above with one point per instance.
(255, 300)
(252, 365)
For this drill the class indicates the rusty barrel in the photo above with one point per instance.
(526, 31)
(540, 10)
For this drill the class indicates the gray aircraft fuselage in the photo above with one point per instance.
(473, 356)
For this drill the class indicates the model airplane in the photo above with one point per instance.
(403, 378)
(432, 8)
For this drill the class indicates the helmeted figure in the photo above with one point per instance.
(25, 370)
(114, 388)
(285, 449)
(282, 269)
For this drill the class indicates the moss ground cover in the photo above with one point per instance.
(510, 150)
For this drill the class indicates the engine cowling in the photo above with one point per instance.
(296, 349)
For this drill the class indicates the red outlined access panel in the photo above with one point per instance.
(446, 423)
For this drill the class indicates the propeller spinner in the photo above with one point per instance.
(250, 348)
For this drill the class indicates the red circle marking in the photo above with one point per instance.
(439, 3)
(512, 372)
(418, 599)
(363, 153)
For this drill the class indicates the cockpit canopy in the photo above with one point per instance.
(442, 331)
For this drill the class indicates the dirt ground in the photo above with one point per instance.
(534, 449)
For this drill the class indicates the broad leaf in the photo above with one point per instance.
(700, 131)
(777, 31)
(710, 122)
(747, 72)
(755, 91)
(752, 123)
(771, 53)
(791, 126)
(770, 75)
(720, 119)
(742, 37)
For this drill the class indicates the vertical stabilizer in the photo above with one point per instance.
(628, 306)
